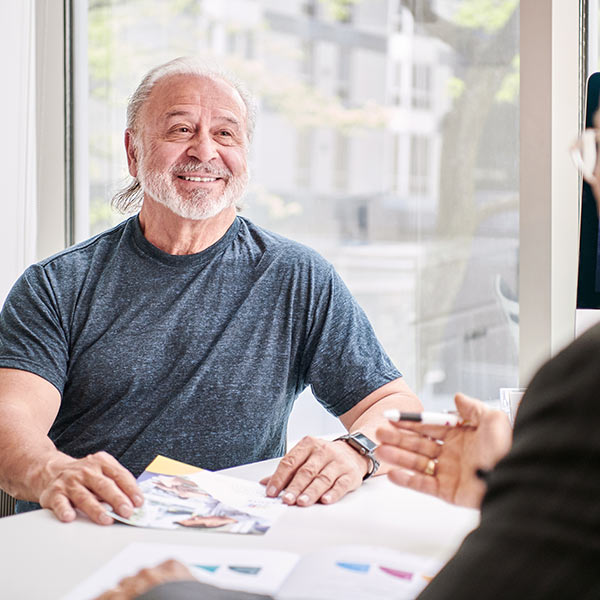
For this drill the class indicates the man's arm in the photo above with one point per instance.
(31, 468)
(319, 470)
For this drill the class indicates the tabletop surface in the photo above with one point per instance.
(41, 558)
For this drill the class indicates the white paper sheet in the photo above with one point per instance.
(259, 571)
(360, 573)
(357, 572)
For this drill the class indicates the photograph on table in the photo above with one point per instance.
(181, 496)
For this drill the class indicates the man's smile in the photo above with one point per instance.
(200, 179)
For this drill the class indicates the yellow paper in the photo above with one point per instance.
(168, 466)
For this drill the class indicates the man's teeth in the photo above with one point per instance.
(203, 179)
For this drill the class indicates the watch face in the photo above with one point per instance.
(364, 441)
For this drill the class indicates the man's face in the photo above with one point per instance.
(190, 150)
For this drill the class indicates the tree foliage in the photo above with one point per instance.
(486, 15)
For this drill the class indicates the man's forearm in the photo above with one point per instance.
(31, 468)
(28, 458)
(372, 418)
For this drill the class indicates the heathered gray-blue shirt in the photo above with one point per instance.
(197, 357)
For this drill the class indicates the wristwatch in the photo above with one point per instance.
(363, 445)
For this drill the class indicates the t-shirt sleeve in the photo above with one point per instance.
(344, 360)
(32, 337)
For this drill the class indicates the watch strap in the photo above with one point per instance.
(363, 445)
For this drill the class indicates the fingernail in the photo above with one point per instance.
(303, 499)
(105, 519)
(326, 498)
(125, 510)
(271, 490)
(67, 515)
(289, 497)
(138, 500)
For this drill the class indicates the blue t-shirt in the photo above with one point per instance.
(197, 357)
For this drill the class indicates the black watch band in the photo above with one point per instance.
(363, 445)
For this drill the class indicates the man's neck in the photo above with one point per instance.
(175, 235)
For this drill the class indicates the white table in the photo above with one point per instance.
(41, 558)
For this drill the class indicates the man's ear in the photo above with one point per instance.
(131, 150)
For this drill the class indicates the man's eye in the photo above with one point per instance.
(225, 133)
(184, 129)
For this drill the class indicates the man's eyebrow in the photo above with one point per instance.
(187, 113)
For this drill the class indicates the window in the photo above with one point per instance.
(416, 204)
(419, 171)
(396, 84)
(421, 86)
(303, 161)
(396, 165)
(396, 15)
(340, 169)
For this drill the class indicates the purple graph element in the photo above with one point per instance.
(397, 573)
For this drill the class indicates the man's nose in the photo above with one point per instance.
(202, 147)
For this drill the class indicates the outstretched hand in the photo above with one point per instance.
(442, 460)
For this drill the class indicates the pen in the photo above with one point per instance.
(426, 418)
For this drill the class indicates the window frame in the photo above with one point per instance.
(552, 78)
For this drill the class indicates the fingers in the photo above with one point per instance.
(328, 485)
(470, 409)
(317, 470)
(123, 479)
(401, 458)
(61, 507)
(438, 432)
(410, 441)
(289, 465)
(64, 502)
(170, 570)
(88, 482)
(131, 587)
(414, 481)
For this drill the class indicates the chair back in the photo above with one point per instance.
(7, 504)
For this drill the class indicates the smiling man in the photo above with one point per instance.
(186, 330)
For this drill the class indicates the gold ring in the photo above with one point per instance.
(430, 468)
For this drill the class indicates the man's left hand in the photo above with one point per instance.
(317, 470)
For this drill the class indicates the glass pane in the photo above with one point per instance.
(387, 139)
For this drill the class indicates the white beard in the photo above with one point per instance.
(196, 206)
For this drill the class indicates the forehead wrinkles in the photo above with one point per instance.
(196, 94)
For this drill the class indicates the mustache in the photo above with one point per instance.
(202, 168)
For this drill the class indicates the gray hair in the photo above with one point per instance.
(130, 197)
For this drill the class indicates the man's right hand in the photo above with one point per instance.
(86, 483)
